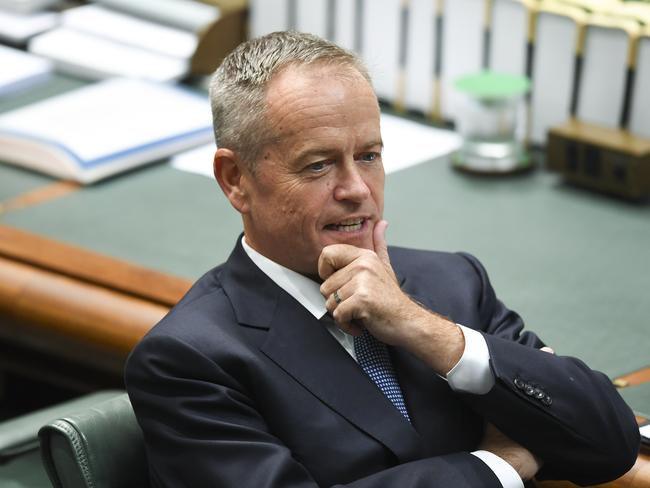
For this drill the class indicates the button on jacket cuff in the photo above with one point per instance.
(472, 373)
(507, 475)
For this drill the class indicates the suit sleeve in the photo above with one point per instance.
(201, 428)
(557, 407)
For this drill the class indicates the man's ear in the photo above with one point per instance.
(231, 174)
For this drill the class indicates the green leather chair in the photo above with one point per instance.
(20, 459)
(100, 446)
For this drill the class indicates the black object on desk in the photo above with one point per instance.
(609, 160)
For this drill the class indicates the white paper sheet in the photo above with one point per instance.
(18, 28)
(21, 70)
(197, 160)
(645, 433)
(406, 144)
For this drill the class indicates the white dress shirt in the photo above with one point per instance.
(472, 373)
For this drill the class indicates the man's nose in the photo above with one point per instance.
(351, 184)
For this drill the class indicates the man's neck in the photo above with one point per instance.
(305, 289)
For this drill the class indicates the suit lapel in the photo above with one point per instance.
(300, 344)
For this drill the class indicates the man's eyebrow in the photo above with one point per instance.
(315, 152)
(378, 142)
(329, 151)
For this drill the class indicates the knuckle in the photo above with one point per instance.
(363, 293)
(339, 315)
(325, 289)
(364, 265)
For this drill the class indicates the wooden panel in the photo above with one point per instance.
(91, 267)
(66, 309)
(633, 378)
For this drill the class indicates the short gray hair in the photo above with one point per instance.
(238, 87)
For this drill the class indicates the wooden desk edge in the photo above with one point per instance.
(634, 378)
(91, 267)
(63, 309)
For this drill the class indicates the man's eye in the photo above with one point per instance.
(369, 157)
(317, 167)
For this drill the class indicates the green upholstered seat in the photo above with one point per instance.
(99, 447)
(20, 459)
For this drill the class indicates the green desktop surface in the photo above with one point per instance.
(575, 265)
(157, 217)
(55, 85)
(15, 182)
(638, 398)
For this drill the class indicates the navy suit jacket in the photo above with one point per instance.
(240, 386)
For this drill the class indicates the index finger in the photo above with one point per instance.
(335, 257)
(379, 241)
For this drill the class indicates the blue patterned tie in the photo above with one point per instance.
(373, 358)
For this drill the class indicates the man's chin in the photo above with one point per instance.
(357, 241)
(352, 235)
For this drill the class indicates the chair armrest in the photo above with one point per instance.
(99, 447)
(19, 435)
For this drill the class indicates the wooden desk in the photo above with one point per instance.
(78, 305)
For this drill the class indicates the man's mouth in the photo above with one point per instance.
(349, 225)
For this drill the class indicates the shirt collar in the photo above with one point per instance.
(303, 289)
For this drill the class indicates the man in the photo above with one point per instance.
(273, 371)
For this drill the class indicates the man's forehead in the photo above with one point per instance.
(313, 80)
(330, 134)
(301, 92)
(318, 70)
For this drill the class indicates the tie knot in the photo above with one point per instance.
(366, 341)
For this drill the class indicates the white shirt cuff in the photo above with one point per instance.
(508, 476)
(472, 373)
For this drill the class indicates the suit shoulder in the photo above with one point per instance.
(204, 308)
(408, 261)
(205, 285)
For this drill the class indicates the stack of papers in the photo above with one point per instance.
(94, 42)
(144, 39)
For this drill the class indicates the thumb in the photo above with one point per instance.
(379, 241)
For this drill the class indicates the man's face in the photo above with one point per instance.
(322, 181)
